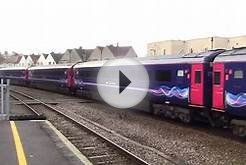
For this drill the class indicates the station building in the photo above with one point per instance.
(175, 47)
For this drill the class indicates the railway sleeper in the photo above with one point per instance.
(121, 162)
(98, 151)
(110, 160)
(104, 156)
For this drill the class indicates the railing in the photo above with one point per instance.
(5, 112)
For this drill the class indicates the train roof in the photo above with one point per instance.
(167, 59)
(14, 68)
(57, 66)
(233, 55)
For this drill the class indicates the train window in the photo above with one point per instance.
(198, 77)
(217, 78)
(238, 74)
(93, 74)
(180, 73)
(163, 75)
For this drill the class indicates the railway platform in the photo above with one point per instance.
(35, 143)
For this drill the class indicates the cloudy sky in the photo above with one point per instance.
(53, 25)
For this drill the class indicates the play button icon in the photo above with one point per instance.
(122, 83)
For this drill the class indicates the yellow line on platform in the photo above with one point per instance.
(18, 145)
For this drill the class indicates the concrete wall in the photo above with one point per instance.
(221, 43)
(194, 45)
(178, 47)
(165, 47)
(239, 41)
(157, 48)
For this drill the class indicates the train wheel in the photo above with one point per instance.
(185, 117)
(239, 130)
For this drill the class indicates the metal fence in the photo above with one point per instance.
(5, 112)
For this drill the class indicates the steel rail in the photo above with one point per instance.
(24, 103)
(127, 153)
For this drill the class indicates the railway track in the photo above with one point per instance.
(29, 113)
(98, 148)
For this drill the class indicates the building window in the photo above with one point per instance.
(163, 75)
(198, 77)
(238, 74)
(191, 50)
(153, 51)
(49, 63)
(217, 76)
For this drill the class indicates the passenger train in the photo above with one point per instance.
(211, 84)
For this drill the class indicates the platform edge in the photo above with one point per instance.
(69, 145)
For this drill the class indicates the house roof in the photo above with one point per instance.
(119, 51)
(34, 58)
(83, 53)
(69, 50)
(45, 55)
(18, 59)
(2, 59)
(56, 56)
(100, 47)
(88, 52)
(25, 56)
(13, 59)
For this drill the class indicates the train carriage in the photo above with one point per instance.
(229, 89)
(85, 78)
(17, 75)
(55, 78)
(229, 82)
(181, 82)
(209, 84)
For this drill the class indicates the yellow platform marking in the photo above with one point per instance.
(18, 145)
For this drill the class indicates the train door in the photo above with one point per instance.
(218, 86)
(26, 74)
(197, 84)
(70, 77)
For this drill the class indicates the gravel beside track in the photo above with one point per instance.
(195, 145)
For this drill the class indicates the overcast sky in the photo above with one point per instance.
(54, 25)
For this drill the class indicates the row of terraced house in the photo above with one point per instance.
(69, 56)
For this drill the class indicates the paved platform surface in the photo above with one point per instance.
(25, 142)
